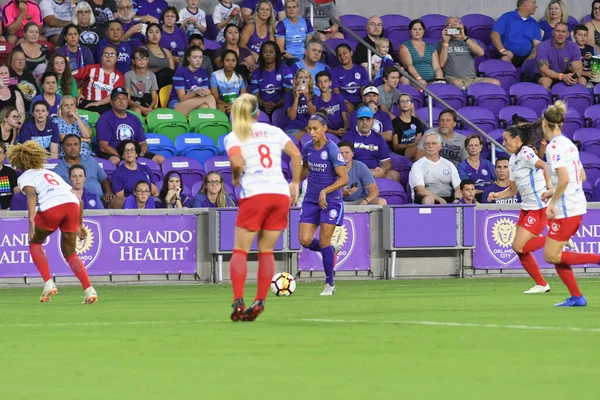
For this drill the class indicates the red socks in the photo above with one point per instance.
(266, 268)
(79, 270)
(534, 244)
(566, 275)
(573, 258)
(38, 255)
(238, 269)
(531, 266)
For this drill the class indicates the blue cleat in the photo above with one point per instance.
(573, 302)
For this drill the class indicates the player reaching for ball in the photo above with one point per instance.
(255, 149)
(57, 207)
(323, 205)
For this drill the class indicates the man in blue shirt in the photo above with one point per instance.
(312, 55)
(516, 34)
(362, 188)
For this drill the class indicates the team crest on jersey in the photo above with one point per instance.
(124, 132)
(555, 226)
(499, 234)
(333, 214)
(446, 172)
(302, 29)
(357, 75)
(88, 249)
(323, 155)
(555, 157)
(278, 77)
(173, 44)
(92, 203)
(484, 172)
(340, 158)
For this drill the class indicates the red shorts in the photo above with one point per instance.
(563, 229)
(263, 212)
(534, 221)
(64, 216)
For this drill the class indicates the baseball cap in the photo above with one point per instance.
(117, 91)
(364, 112)
(371, 89)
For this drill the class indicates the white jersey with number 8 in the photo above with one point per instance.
(50, 188)
(262, 152)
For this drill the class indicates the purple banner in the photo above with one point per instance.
(115, 244)
(496, 230)
(355, 239)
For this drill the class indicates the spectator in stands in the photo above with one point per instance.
(362, 188)
(212, 193)
(556, 12)
(8, 178)
(36, 54)
(226, 84)
(141, 84)
(198, 40)
(419, 57)
(59, 65)
(27, 85)
(126, 176)
(173, 37)
(323, 25)
(260, 27)
(434, 179)
(311, 63)
(559, 60)
(333, 103)
(272, 79)
(226, 13)
(587, 51)
(153, 8)
(49, 83)
(250, 6)
(299, 103)
(170, 195)
(96, 179)
(99, 80)
(475, 168)
(77, 178)
(160, 60)
(453, 143)
(516, 33)
(10, 123)
(408, 129)
(593, 25)
(388, 92)
(374, 32)
(193, 18)
(502, 182)
(190, 84)
(41, 129)
(140, 198)
(467, 188)
(18, 13)
(114, 38)
(370, 147)
(77, 54)
(56, 14)
(351, 78)
(247, 63)
(70, 123)
(9, 95)
(104, 10)
(132, 27)
(457, 56)
(383, 46)
(293, 32)
(117, 125)
(382, 122)
(91, 31)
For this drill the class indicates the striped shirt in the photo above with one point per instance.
(97, 83)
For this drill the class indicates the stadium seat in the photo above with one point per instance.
(576, 96)
(573, 122)
(170, 123)
(506, 114)
(417, 95)
(221, 145)
(423, 114)
(392, 191)
(107, 166)
(572, 22)
(589, 139)
(487, 95)
(402, 165)
(220, 164)
(163, 96)
(141, 118)
(212, 45)
(496, 134)
(479, 26)
(356, 23)
(5, 50)
(160, 144)
(530, 95)
(197, 146)
(211, 122)
(91, 117)
(596, 191)
(450, 94)
(279, 118)
(196, 188)
(395, 28)
(591, 164)
(191, 171)
(481, 117)
(434, 25)
(504, 71)
(154, 167)
(592, 116)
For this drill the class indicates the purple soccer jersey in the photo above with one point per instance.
(176, 42)
(302, 114)
(335, 107)
(154, 8)
(483, 177)
(113, 129)
(350, 81)
(271, 84)
(371, 149)
(125, 179)
(188, 81)
(493, 188)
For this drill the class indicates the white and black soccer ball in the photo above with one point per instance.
(283, 284)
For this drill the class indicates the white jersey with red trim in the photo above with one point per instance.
(529, 179)
(262, 152)
(98, 84)
(50, 188)
(562, 153)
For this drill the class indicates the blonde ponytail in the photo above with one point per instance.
(243, 111)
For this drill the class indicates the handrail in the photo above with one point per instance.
(408, 76)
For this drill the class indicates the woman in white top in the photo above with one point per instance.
(567, 202)
(255, 149)
(51, 204)
(528, 176)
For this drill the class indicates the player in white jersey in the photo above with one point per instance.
(255, 149)
(567, 203)
(51, 204)
(528, 176)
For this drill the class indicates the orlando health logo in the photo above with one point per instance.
(499, 234)
(88, 249)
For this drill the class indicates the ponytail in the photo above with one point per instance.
(530, 134)
(243, 112)
(555, 114)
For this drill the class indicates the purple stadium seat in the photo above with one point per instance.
(480, 59)
(572, 22)
(487, 95)
(356, 23)
(423, 114)
(106, 165)
(596, 191)
(591, 164)
(211, 45)
(154, 167)
(504, 71)
(573, 122)
(434, 25)
(496, 134)
(450, 94)
(597, 94)
(279, 117)
(530, 66)
(576, 96)
(482, 117)
(592, 116)
(530, 95)
(479, 27)
(196, 188)
(392, 191)
(586, 19)
(396, 28)
(416, 94)
(230, 190)
(402, 165)
(220, 164)
(589, 139)
(191, 171)
(588, 191)
(506, 114)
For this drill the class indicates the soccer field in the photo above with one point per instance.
(434, 339)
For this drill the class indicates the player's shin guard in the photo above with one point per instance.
(573, 258)
(531, 266)
(79, 270)
(328, 256)
(566, 275)
(38, 255)
(238, 269)
(266, 268)
(534, 244)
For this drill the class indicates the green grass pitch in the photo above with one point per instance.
(433, 339)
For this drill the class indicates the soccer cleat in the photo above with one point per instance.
(570, 244)
(49, 291)
(328, 290)
(238, 310)
(573, 302)
(254, 310)
(336, 250)
(538, 289)
(90, 296)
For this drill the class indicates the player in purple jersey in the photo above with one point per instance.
(323, 205)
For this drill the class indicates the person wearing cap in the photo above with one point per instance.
(453, 143)
(370, 147)
(382, 123)
(117, 125)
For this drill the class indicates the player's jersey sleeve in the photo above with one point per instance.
(335, 157)
(554, 156)
(232, 144)
(528, 157)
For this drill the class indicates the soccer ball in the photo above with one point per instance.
(283, 284)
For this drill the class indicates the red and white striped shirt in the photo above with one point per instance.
(97, 83)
